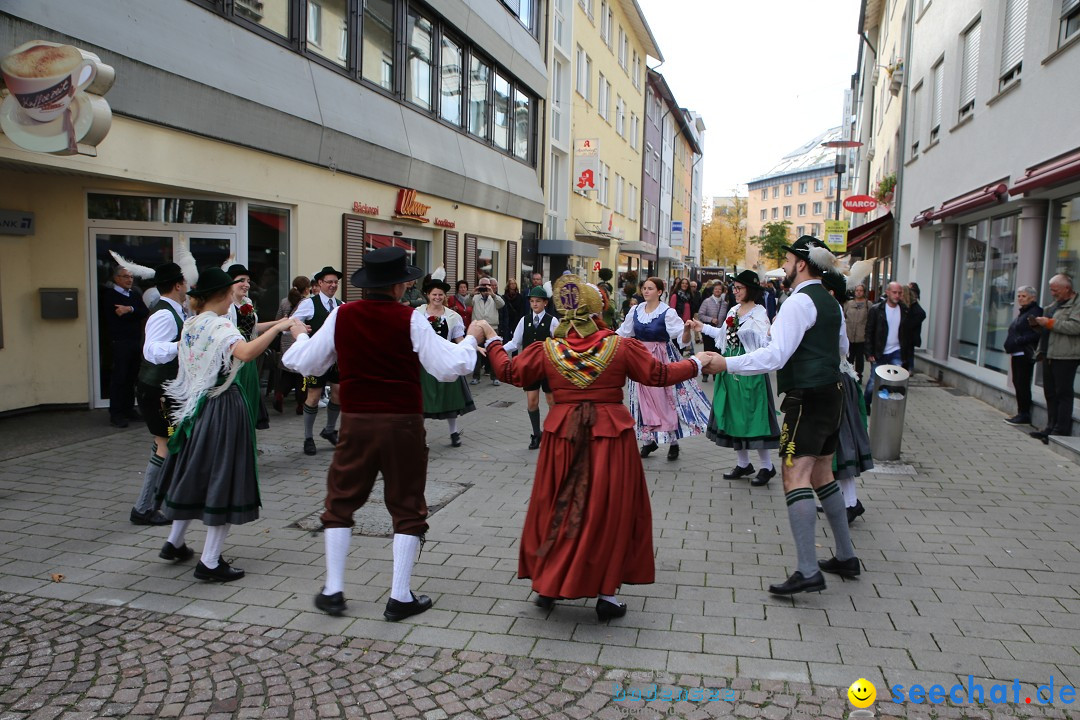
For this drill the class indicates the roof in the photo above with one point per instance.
(641, 28)
(808, 156)
(660, 82)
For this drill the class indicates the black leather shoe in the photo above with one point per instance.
(844, 568)
(455, 439)
(797, 584)
(176, 554)
(647, 450)
(1019, 420)
(331, 604)
(673, 452)
(739, 472)
(309, 446)
(607, 610)
(397, 610)
(764, 475)
(544, 602)
(118, 422)
(222, 573)
(855, 511)
(534, 442)
(150, 517)
(330, 436)
(1041, 435)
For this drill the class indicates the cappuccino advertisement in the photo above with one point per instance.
(52, 98)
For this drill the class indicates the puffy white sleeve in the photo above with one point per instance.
(754, 329)
(445, 360)
(675, 327)
(519, 334)
(305, 310)
(627, 327)
(314, 354)
(795, 316)
(158, 344)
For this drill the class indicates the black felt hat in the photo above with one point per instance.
(327, 271)
(237, 270)
(749, 279)
(431, 283)
(385, 267)
(211, 280)
(170, 272)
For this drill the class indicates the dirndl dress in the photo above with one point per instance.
(852, 456)
(248, 377)
(743, 409)
(445, 400)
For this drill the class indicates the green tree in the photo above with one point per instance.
(773, 238)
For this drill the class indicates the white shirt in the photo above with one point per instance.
(672, 321)
(446, 361)
(892, 319)
(455, 325)
(519, 332)
(797, 315)
(753, 329)
(306, 309)
(158, 344)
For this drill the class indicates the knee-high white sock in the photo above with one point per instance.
(452, 422)
(337, 551)
(405, 549)
(763, 458)
(215, 538)
(176, 534)
(847, 486)
(742, 458)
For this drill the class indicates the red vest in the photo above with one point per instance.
(378, 370)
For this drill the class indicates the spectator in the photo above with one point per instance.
(124, 314)
(856, 312)
(456, 302)
(1059, 349)
(886, 325)
(916, 316)
(1021, 344)
(513, 310)
(485, 304)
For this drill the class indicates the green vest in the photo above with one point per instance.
(156, 375)
(320, 312)
(816, 362)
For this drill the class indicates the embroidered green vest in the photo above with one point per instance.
(156, 375)
(816, 362)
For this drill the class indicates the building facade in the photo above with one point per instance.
(697, 209)
(289, 135)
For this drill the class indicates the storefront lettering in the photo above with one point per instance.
(443, 222)
(409, 208)
(362, 209)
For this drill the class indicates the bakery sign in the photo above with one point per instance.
(52, 98)
(409, 208)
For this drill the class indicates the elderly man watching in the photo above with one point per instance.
(1021, 343)
(486, 303)
(1059, 350)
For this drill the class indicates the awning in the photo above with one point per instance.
(982, 197)
(636, 248)
(858, 235)
(1052, 172)
(568, 247)
(923, 218)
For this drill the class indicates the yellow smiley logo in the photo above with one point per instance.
(862, 693)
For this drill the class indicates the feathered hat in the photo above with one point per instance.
(436, 279)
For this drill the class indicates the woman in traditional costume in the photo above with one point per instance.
(243, 315)
(588, 529)
(444, 400)
(662, 414)
(743, 410)
(210, 474)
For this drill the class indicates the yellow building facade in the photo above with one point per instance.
(681, 187)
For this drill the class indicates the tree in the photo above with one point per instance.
(723, 239)
(773, 238)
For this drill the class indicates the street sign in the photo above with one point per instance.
(860, 203)
(596, 266)
(836, 235)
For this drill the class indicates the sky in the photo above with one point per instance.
(765, 75)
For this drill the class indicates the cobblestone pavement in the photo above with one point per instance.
(968, 544)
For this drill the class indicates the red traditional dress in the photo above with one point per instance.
(588, 529)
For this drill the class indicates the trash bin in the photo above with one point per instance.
(887, 419)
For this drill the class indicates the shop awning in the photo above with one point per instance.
(637, 248)
(980, 198)
(926, 216)
(858, 235)
(1062, 169)
(568, 247)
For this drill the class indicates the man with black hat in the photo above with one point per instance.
(805, 353)
(379, 345)
(159, 365)
(536, 326)
(314, 310)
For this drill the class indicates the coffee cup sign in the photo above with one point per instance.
(45, 78)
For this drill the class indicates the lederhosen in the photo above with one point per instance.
(154, 405)
(531, 334)
(316, 322)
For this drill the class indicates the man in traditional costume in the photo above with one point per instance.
(536, 326)
(314, 310)
(379, 345)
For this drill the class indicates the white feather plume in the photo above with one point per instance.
(548, 290)
(823, 258)
(858, 272)
(139, 271)
(229, 262)
(439, 275)
(186, 261)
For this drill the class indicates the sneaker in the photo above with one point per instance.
(495, 382)
(309, 446)
(474, 381)
(1019, 420)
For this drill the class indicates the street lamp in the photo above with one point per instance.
(841, 165)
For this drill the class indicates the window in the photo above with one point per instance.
(620, 117)
(272, 15)
(601, 100)
(832, 185)
(605, 24)
(787, 189)
(584, 74)
(802, 211)
(619, 190)
(775, 212)
(815, 229)
(633, 131)
(479, 74)
(610, 24)
(523, 133)
(764, 193)
(969, 72)
(631, 210)
(800, 230)
(418, 65)
(636, 70)
(802, 188)
(377, 43)
(818, 185)
(832, 208)
(522, 10)
(1070, 20)
(603, 195)
(764, 214)
(587, 6)
(938, 77)
(324, 31)
(776, 191)
(787, 211)
(501, 126)
(913, 122)
(1012, 43)
(817, 208)
(450, 82)
(624, 48)
(987, 283)
(314, 24)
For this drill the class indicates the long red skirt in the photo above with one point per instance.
(613, 546)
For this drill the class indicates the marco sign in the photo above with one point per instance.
(860, 204)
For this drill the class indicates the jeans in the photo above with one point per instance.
(892, 358)
(1058, 376)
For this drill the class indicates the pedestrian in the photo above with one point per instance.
(856, 311)
(443, 400)
(886, 328)
(1021, 342)
(485, 303)
(1059, 350)
(413, 296)
(588, 527)
(743, 414)
(456, 302)
(514, 308)
(288, 381)
(808, 340)
(211, 473)
(313, 311)
(662, 414)
(713, 310)
(916, 316)
(538, 325)
(682, 300)
(243, 315)
(380, 346)
(123, 314)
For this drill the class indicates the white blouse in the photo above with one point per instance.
(672, 321)
(454, 321)
(753, 329)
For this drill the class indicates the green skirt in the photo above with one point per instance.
(444, 400)
(743, 411)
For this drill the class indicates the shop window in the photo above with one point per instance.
(487, 262)
(1063, 249)
(420, 52)
(268, 257)
(450, 82)
(417, 251)
(987, 285)
(479, 74)
(501, 127)
(141, 208)
(377, 43)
